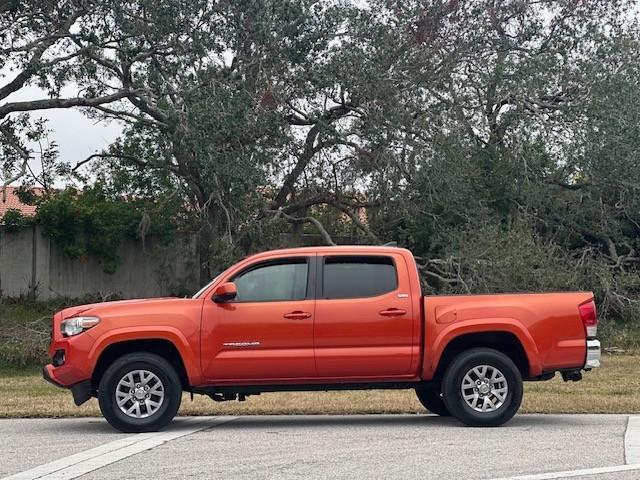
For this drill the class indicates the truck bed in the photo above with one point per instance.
(548, 325)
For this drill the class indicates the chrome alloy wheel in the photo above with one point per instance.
(484, 388)
(139, 394)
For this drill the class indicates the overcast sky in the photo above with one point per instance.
(76, 135)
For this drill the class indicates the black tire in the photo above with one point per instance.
(129, 363)
(452, 388)
(432, 400)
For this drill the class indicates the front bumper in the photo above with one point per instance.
(71, 364)
(71, 361)
(593, 354)
(81, 391)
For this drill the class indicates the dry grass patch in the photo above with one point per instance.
(614, 388)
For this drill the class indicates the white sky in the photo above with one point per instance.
(76, 135)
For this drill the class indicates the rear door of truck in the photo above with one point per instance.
(365, 319)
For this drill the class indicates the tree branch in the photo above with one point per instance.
(307, 219)
(24, 154)
(362, 226)
(39, 49)
(49, 103)
(129, 158)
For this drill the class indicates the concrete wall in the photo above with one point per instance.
(31, 263)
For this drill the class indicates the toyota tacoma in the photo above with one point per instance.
(320, 318)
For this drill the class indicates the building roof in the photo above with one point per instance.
(9, 200)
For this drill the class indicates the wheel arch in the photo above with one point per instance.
(160, 346)
(504, 341)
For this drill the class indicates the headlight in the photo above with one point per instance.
(74, 326)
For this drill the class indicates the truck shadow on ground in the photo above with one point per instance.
(100, 426)
(306, 421)
(77, 426)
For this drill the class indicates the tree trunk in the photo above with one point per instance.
(297, 230)
(211, 227)
(205, 238)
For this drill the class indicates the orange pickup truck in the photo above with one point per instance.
(322, 318)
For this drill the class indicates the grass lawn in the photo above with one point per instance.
(614, 388)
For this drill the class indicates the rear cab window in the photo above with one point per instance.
(358, 276)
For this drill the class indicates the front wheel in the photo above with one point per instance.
(139, 392)
(482, 387)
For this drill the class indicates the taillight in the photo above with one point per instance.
(589, 318)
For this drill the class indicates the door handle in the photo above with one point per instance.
(392, 312)
(297, 315)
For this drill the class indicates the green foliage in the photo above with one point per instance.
(513, 171)
(93, 223)
(13, 219)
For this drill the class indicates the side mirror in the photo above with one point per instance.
(225, 292)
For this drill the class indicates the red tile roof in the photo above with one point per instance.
(9, 200)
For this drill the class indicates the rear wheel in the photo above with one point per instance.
(432, 400)
(139, 392)
(482, 388)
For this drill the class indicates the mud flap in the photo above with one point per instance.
(81, 392)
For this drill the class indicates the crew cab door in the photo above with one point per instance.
(266, 332)
(365, 323)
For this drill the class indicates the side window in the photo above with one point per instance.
(358, 277)
(274, 281)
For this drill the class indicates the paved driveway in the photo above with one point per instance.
(349, 447)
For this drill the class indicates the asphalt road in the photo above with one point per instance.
(349, 447)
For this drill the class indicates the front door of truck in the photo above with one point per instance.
(364, 317)
(266, 333)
